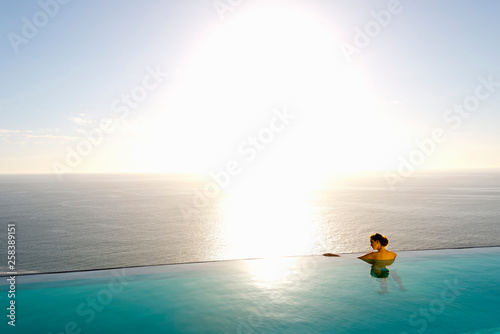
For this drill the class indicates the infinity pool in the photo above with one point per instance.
(442, 291)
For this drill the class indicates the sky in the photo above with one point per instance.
(299, 87)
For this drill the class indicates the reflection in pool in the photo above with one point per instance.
(380, 272)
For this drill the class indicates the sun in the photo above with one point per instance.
(262, 57)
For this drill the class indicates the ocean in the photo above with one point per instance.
(97, 221)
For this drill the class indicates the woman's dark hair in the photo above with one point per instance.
(380, 238)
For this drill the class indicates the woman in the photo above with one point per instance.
(380, 260)
(378, 243)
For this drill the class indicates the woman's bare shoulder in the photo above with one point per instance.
(388, 256)
(367, 256)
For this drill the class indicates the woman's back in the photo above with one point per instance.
(384, 255)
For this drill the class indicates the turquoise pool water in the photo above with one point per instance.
(442, 291)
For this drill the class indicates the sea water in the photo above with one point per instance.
(122, 220)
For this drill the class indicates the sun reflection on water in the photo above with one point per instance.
(267, 223)
(270, 272)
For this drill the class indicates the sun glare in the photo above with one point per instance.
(260, 58)
(271, 271)
(267, 217)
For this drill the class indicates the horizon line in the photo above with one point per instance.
(449, 169)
